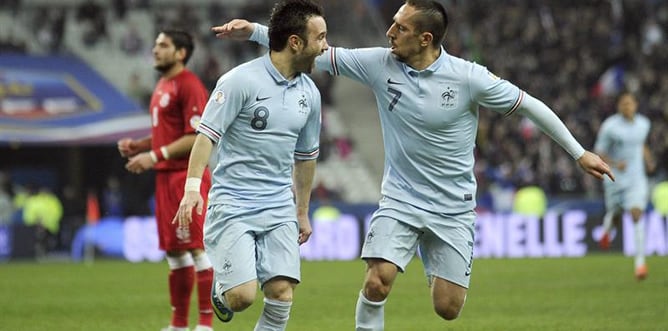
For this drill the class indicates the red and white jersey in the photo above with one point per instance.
(176, 108)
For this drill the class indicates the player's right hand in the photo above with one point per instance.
(236, 29)
(595, 166)
(184, 216)
(127, 147)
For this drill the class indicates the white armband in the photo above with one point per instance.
(165, 153)
(193, 184)
(153, 156)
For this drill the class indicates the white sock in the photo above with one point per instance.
(173, 328)
(607, 222)
(639, 231)
(275, 315)
(369, 315)
(202, 262)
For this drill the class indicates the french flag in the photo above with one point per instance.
(610, 83)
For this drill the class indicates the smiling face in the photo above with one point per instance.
(405, 40)
(314, 45)
(165, 54)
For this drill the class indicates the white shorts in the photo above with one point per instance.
(247, 244)
(624, 198)
(445, 241)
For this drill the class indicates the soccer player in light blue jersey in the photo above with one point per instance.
(263, 119)
(622, 143)
(428, 103)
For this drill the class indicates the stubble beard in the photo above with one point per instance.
(163, 68)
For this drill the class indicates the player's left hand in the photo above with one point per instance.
(184, 216)
(595, 166)
(305, 229)
(140, 163)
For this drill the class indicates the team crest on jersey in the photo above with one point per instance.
(164, 100)
(194, 121)
(219, 97)
(449, 98)
(303, 105)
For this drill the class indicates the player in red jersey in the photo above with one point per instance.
(176, 106)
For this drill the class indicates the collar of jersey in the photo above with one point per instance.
(431, 68)
(273, 72)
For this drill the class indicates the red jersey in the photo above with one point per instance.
(176, 108)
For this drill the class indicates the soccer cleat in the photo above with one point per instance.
(604, 243)
(223, 313)
(203, 328)
(641, 272)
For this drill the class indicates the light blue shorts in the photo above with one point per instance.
(624, 198)
(247, 244)
(445, 241)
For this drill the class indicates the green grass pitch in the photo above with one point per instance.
(597, 292)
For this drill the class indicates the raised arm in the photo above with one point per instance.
(236, 29)
(551, 125)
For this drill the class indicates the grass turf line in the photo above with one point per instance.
(597, 292)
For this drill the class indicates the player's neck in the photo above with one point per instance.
(628, 117)
(424, 59)
(173, 71)
(282, 61)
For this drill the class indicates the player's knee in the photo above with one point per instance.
(375, 289)
(636, 214)
(449, 307)
(239, 300)
(448, 311)
(279, 289)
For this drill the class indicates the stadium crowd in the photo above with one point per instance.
(576, 56)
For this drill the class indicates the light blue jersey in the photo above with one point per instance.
(624, 140)
(429, 120)
(260, 123)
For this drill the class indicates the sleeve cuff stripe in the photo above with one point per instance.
(208, 132)
(516, 105)
(332, 61)
(311, 154)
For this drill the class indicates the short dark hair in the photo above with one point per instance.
(431, 18)
(181, 40)
(289, 17)
(624, 93)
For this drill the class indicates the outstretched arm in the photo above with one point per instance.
(236, 29)
(551, 125)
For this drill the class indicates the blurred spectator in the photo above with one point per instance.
(321, 193)
(6, 205)
(21, 194)
(91, 15)
(44, 211)
(112, 198)
(131, 42)
(50, 28)
(138, 91)
(558, 51)
(74, 212)
(212, 70)
(325, 83)
(120, 8)
(530, 201)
